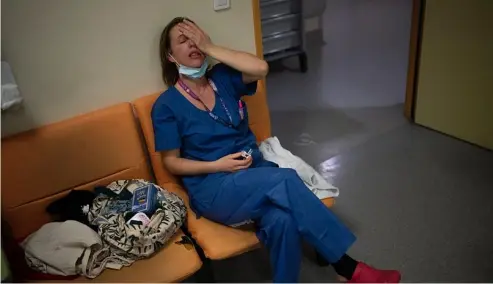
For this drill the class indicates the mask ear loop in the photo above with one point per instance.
(176, 62)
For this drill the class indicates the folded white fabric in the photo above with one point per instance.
(273, 151)
(10, 92)
(55, 247)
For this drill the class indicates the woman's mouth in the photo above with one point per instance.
(195, 55)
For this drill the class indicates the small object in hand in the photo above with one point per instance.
(246, 154)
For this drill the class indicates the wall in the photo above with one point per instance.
(362, 64)
(366, 53)
(455, 86)
(74, 56)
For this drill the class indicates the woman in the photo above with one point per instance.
(201, 127)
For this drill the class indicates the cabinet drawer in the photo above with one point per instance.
(274, 8)
(281, 24)
(282, 41)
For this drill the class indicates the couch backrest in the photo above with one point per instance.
(259, 119)
(143, 107)
(44, 164)
(258, 113)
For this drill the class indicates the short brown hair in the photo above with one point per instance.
(169, 72)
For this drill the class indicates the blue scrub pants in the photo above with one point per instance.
(284, 210)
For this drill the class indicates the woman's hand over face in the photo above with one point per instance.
(233, 163)
(195, 34)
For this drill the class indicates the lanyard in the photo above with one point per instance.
(211, 114)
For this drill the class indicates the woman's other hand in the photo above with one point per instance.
(195, 34)
(233, 163)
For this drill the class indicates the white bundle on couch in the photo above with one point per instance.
(273, 151)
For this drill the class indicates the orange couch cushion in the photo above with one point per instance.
(143, 107)
(44, 164)
(217, 241)
(258, 113)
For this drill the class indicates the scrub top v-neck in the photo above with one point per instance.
(178, 124)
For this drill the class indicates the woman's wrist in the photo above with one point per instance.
(213, 167)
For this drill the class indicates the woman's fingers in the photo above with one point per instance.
(249, 159)
(234, 155)
(187, 33)
(237, 163)
(193, 28)
(185, 27)
(188, 28)
(242, 167)
(194, 36)
(245, 163)
(246, 160)
(194, 33)
(191, 25)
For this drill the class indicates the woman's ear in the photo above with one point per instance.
(171, 58)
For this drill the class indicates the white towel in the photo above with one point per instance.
(273, 151)
(56, 247)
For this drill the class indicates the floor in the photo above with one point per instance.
(418, 201)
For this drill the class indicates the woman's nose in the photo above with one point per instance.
(191, 43)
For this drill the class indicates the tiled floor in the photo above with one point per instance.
(417, 200)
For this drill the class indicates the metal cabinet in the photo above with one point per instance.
(282, 30)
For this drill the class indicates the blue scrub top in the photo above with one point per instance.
(179, 124)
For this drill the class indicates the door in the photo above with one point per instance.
(455, 74)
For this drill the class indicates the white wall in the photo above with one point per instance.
(74, 56)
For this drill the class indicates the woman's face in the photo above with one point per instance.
(183, 50)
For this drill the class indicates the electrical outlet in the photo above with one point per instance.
(221, 5)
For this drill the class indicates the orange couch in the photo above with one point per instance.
(44, 164)
(216, 240)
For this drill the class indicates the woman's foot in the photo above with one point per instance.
(367, 274)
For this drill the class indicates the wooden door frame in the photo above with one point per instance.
(413, 59)
(257, 28)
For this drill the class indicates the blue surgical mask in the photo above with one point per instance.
(192, 72)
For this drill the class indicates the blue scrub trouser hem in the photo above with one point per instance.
(299, 214)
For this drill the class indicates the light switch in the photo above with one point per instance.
(221, 5)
